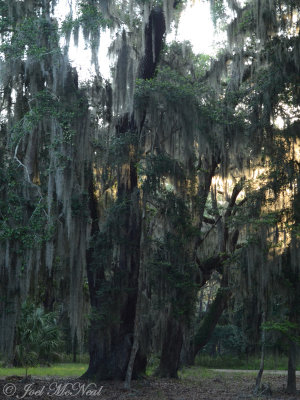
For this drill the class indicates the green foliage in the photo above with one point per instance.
(38, 337)
(115, 216)
(155, 170)
(90, 19)
(21, 220)
(4, 17)
(179, 214)
(226, 339)
(246, 22)
(28, 39)
(168, 86)
(242, 362)
(44, 105)
(217, 11)
(179, 56)
(122, 148)
(288, 329)
(79, 205)
(191, 98)
(171, 266)
(45, 108)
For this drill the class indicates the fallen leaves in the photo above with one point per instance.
(218, 386)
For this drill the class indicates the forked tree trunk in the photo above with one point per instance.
(110, 343)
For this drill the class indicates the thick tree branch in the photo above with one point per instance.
(211, 318)
(208, 220)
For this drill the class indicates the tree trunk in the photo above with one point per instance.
(171, 349)
(187, 352)
(211, 319)
(291, 382)
(137, 322)
(262, 358)
(110, 347)
(75, 346)
(133, 354)
(109, 357)
(111, 331)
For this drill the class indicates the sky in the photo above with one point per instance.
(195, 25)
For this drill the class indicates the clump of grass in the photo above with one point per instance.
(152, 364)
(195, 373)
(61, 370)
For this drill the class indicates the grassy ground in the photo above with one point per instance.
(193, 373)
(203, 363)
(62, 370)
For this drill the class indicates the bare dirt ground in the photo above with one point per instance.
(216, 386)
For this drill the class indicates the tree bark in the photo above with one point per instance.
(187, 352)
(137, 322)
(262, 358)
(110, 344)
(211, 319)
(75, 347)
(291, 382)
(113, 348)
(170, 355)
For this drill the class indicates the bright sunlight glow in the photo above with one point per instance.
(195, 25)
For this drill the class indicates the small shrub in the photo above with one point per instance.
(226, 339)
(38, 337)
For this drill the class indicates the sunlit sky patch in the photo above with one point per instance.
(195, 25)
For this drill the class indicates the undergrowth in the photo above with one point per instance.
(232, 362)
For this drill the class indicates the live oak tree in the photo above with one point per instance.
(140, 188)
